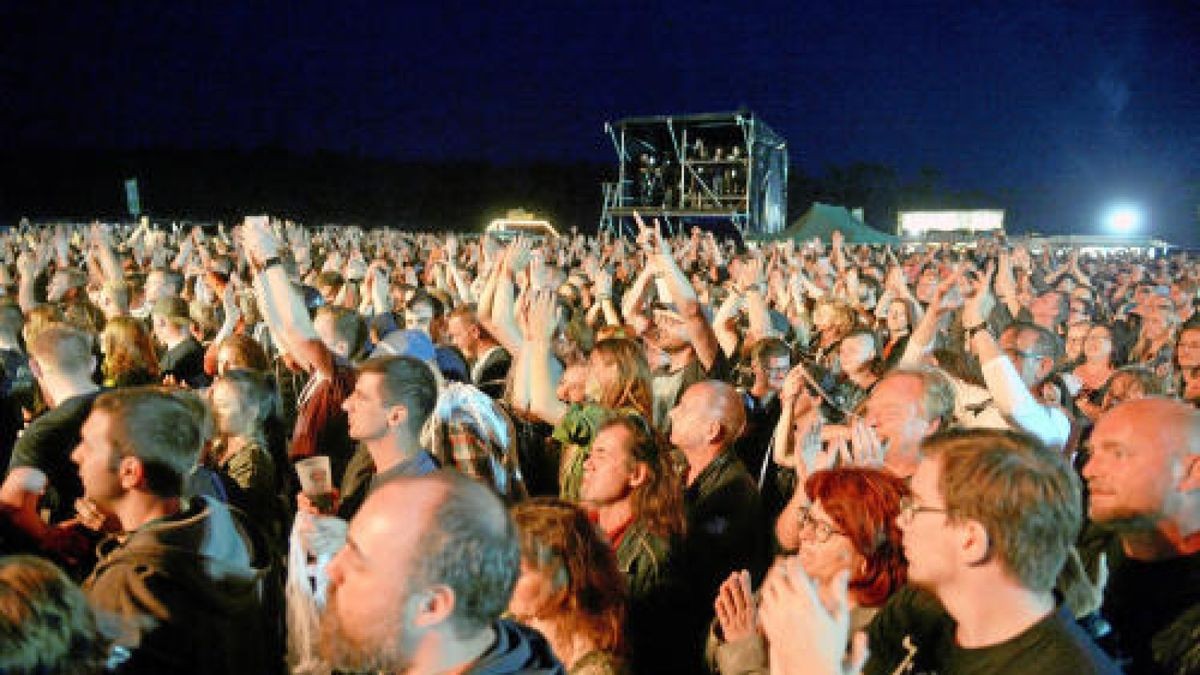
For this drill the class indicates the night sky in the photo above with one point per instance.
(1078, 103)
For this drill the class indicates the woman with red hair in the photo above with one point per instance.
(847, 520)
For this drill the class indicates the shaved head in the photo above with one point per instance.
(1170, 424)
(1143, 472)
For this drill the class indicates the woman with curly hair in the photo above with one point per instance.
(842, 520)
(570, 588)
(129, 357)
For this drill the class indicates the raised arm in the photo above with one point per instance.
(704, 340)
(538, 332)
(281, 306)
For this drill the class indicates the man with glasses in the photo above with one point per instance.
(770, 361)
(991, 520)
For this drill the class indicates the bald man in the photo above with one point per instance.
(1144, 481)
(726, 529)
(424, 593)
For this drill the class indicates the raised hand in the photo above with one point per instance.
(865, 449)
(979, 306)
(808, 628)
(543, 314)
(812, 454)
(259, 239)
(27, 265)
(229, 303)
(604, 282)
(518, 255)
(735, 607)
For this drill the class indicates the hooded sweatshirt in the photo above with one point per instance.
(518, 649)
(194, 591)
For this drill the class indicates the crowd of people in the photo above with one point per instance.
(275, 448)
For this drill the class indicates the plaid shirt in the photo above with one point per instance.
(462, 440)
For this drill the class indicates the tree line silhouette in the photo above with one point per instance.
(183, 184)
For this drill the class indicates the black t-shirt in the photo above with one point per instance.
(1154, 611)
(47, 445)
(914, 634)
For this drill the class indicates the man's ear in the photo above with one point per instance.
(639, 475)
(975, 544)
(713, 431)
(343, 347)
(397, 415)
(1191, 473)
(435, 606)
(131, 472)
(1045, 367)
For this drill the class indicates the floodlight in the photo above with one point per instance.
(1123, 219)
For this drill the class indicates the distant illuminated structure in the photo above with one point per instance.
(949, 224)
(518, 221)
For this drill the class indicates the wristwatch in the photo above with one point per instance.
(270, 262)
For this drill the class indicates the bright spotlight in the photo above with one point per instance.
(1123, 219)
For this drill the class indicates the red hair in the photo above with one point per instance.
(863, 504)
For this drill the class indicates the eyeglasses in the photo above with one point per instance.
(909, 510)
(1017, 354)
(820, 529)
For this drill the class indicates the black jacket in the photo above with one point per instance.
(196, 593)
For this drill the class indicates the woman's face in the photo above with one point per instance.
(1098, 345)
(822, 317)
(897, 317)
(1159, 316)
(533, 595)
(854, 352)
(1076, 336)
(1188, 349)
(824, 551)
(602, 376)
(231, 412)
(572, 386)
(1123, 387)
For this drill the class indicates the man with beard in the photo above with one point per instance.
(1144, 495)
(423, 593)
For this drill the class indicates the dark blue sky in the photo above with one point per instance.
(1088, 100)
